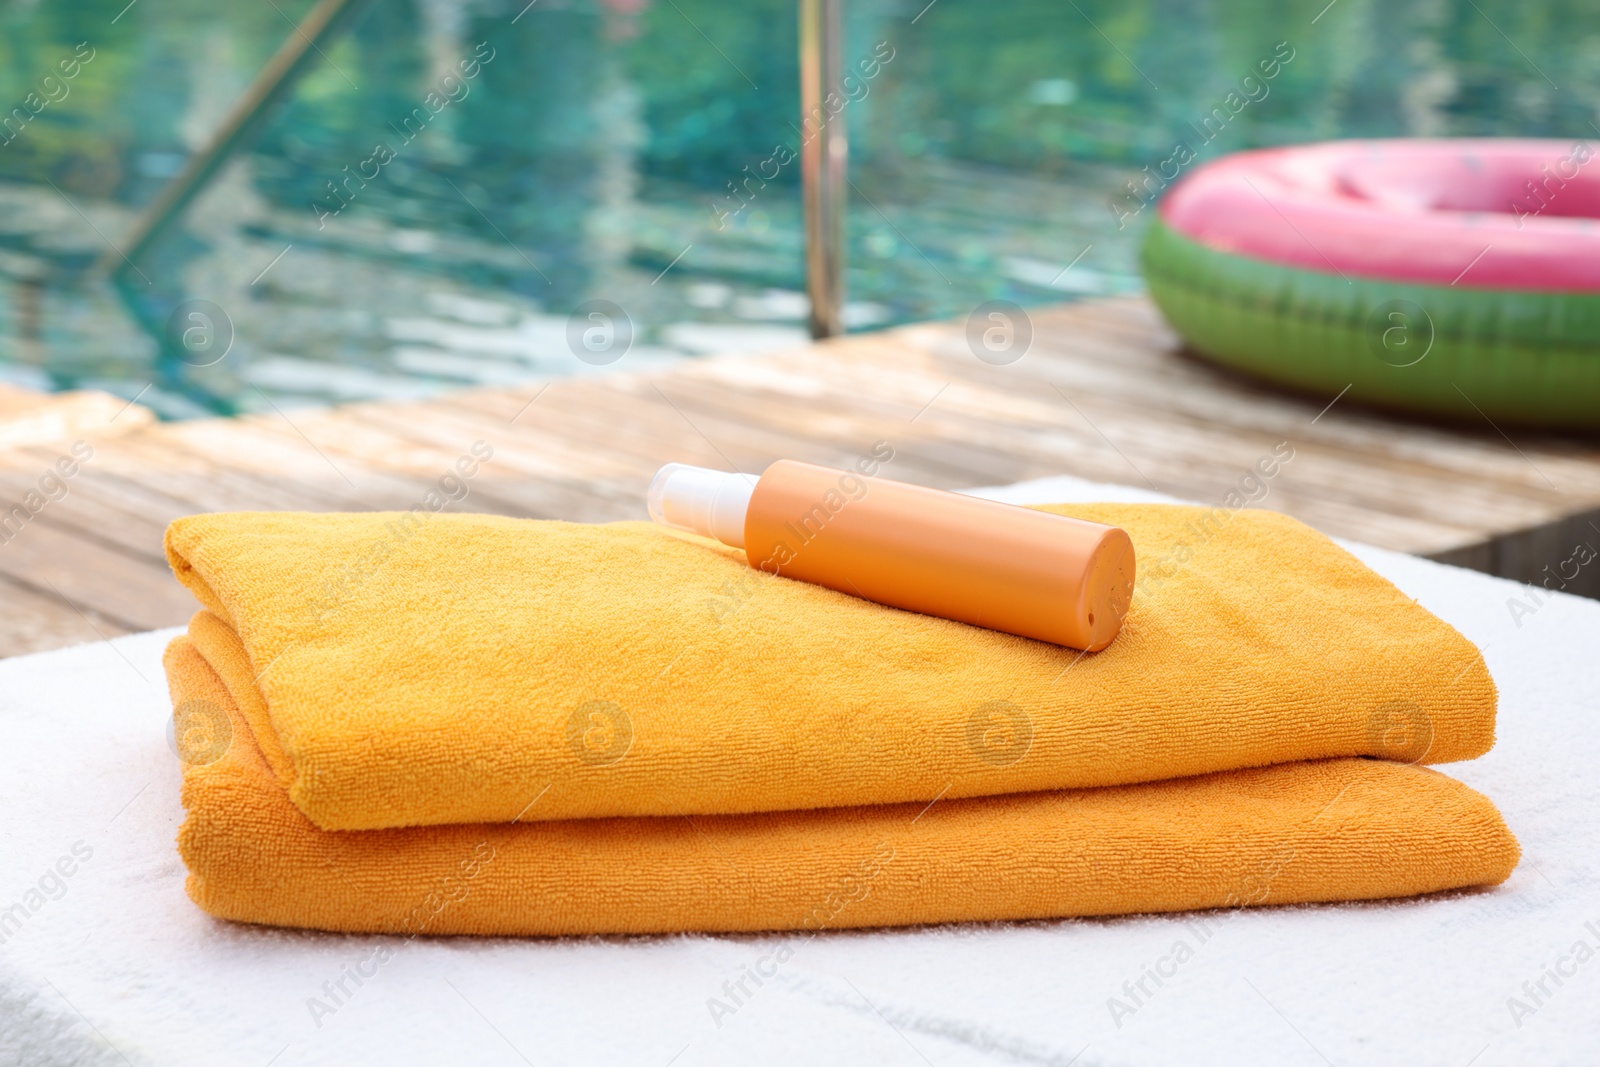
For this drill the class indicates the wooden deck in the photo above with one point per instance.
(1103, 394)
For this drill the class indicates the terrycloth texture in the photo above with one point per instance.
(1341, 829)
(153, 980)
(396, 673)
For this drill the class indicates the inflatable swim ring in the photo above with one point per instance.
(1453, 277)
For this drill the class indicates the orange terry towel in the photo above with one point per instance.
(401, 672)
(1328, 830)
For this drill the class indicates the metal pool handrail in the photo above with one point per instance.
(245, 120)
(823, 155)
(823, 147)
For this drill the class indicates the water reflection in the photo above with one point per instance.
(454, 177)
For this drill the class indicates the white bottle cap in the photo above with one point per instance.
(707, 502)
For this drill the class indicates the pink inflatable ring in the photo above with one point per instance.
(1455, 277)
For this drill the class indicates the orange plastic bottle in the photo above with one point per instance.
(1008, 568)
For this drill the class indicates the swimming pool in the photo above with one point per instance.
(457, 185)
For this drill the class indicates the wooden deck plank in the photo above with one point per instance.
(32, 622)
(1104, 394)
(29, 419)
(129, 592)
(170, 467)
(101, 507)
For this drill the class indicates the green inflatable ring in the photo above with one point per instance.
(1511, 355)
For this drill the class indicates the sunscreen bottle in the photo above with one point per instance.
(1003, 567)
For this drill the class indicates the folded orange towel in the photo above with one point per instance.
(400, 672)
(1340, 829)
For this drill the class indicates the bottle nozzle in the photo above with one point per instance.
(707, 502)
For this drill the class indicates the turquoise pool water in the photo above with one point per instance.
(455, 178)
